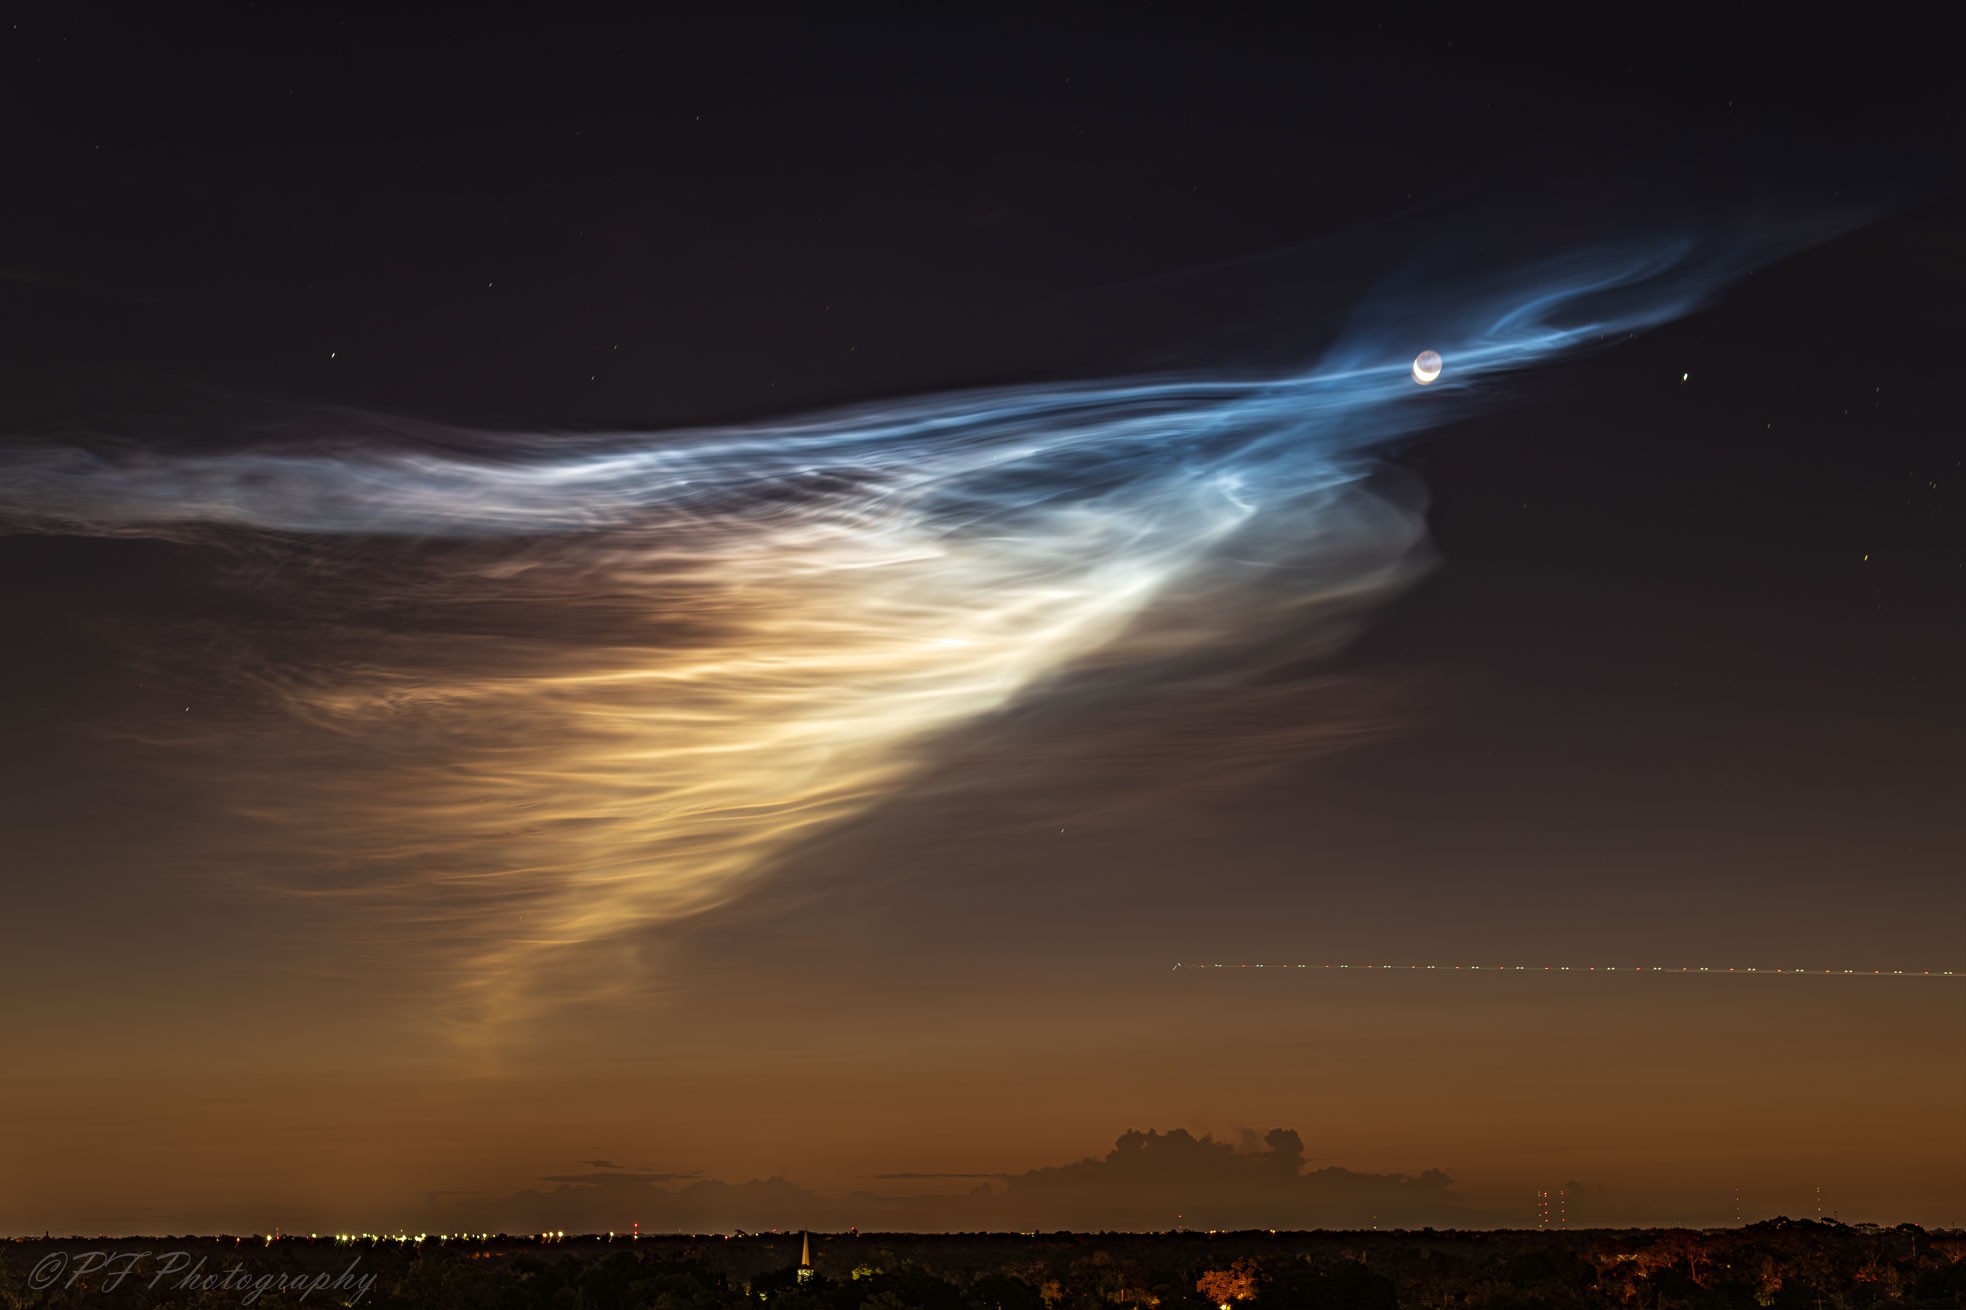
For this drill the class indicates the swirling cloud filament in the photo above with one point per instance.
(560, 691)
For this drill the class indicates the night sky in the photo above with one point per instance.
(628, 620)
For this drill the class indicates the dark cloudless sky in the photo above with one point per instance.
(1679, 683)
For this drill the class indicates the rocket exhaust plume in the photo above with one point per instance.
(523, 699)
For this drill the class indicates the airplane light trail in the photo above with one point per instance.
(1597, 968)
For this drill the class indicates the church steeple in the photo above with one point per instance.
(805, 1257)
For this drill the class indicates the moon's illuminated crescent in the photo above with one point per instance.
(1426, 366)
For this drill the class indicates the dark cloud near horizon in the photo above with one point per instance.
(605, 1202)
(1159, 1180)
(1149, 1180)
(576, 1180)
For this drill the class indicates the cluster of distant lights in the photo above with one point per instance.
(1607, 968)
(555, 1235)
(413, 1238)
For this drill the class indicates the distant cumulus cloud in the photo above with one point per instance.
(1149, 1180)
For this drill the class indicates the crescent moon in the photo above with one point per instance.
(1426, 366)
